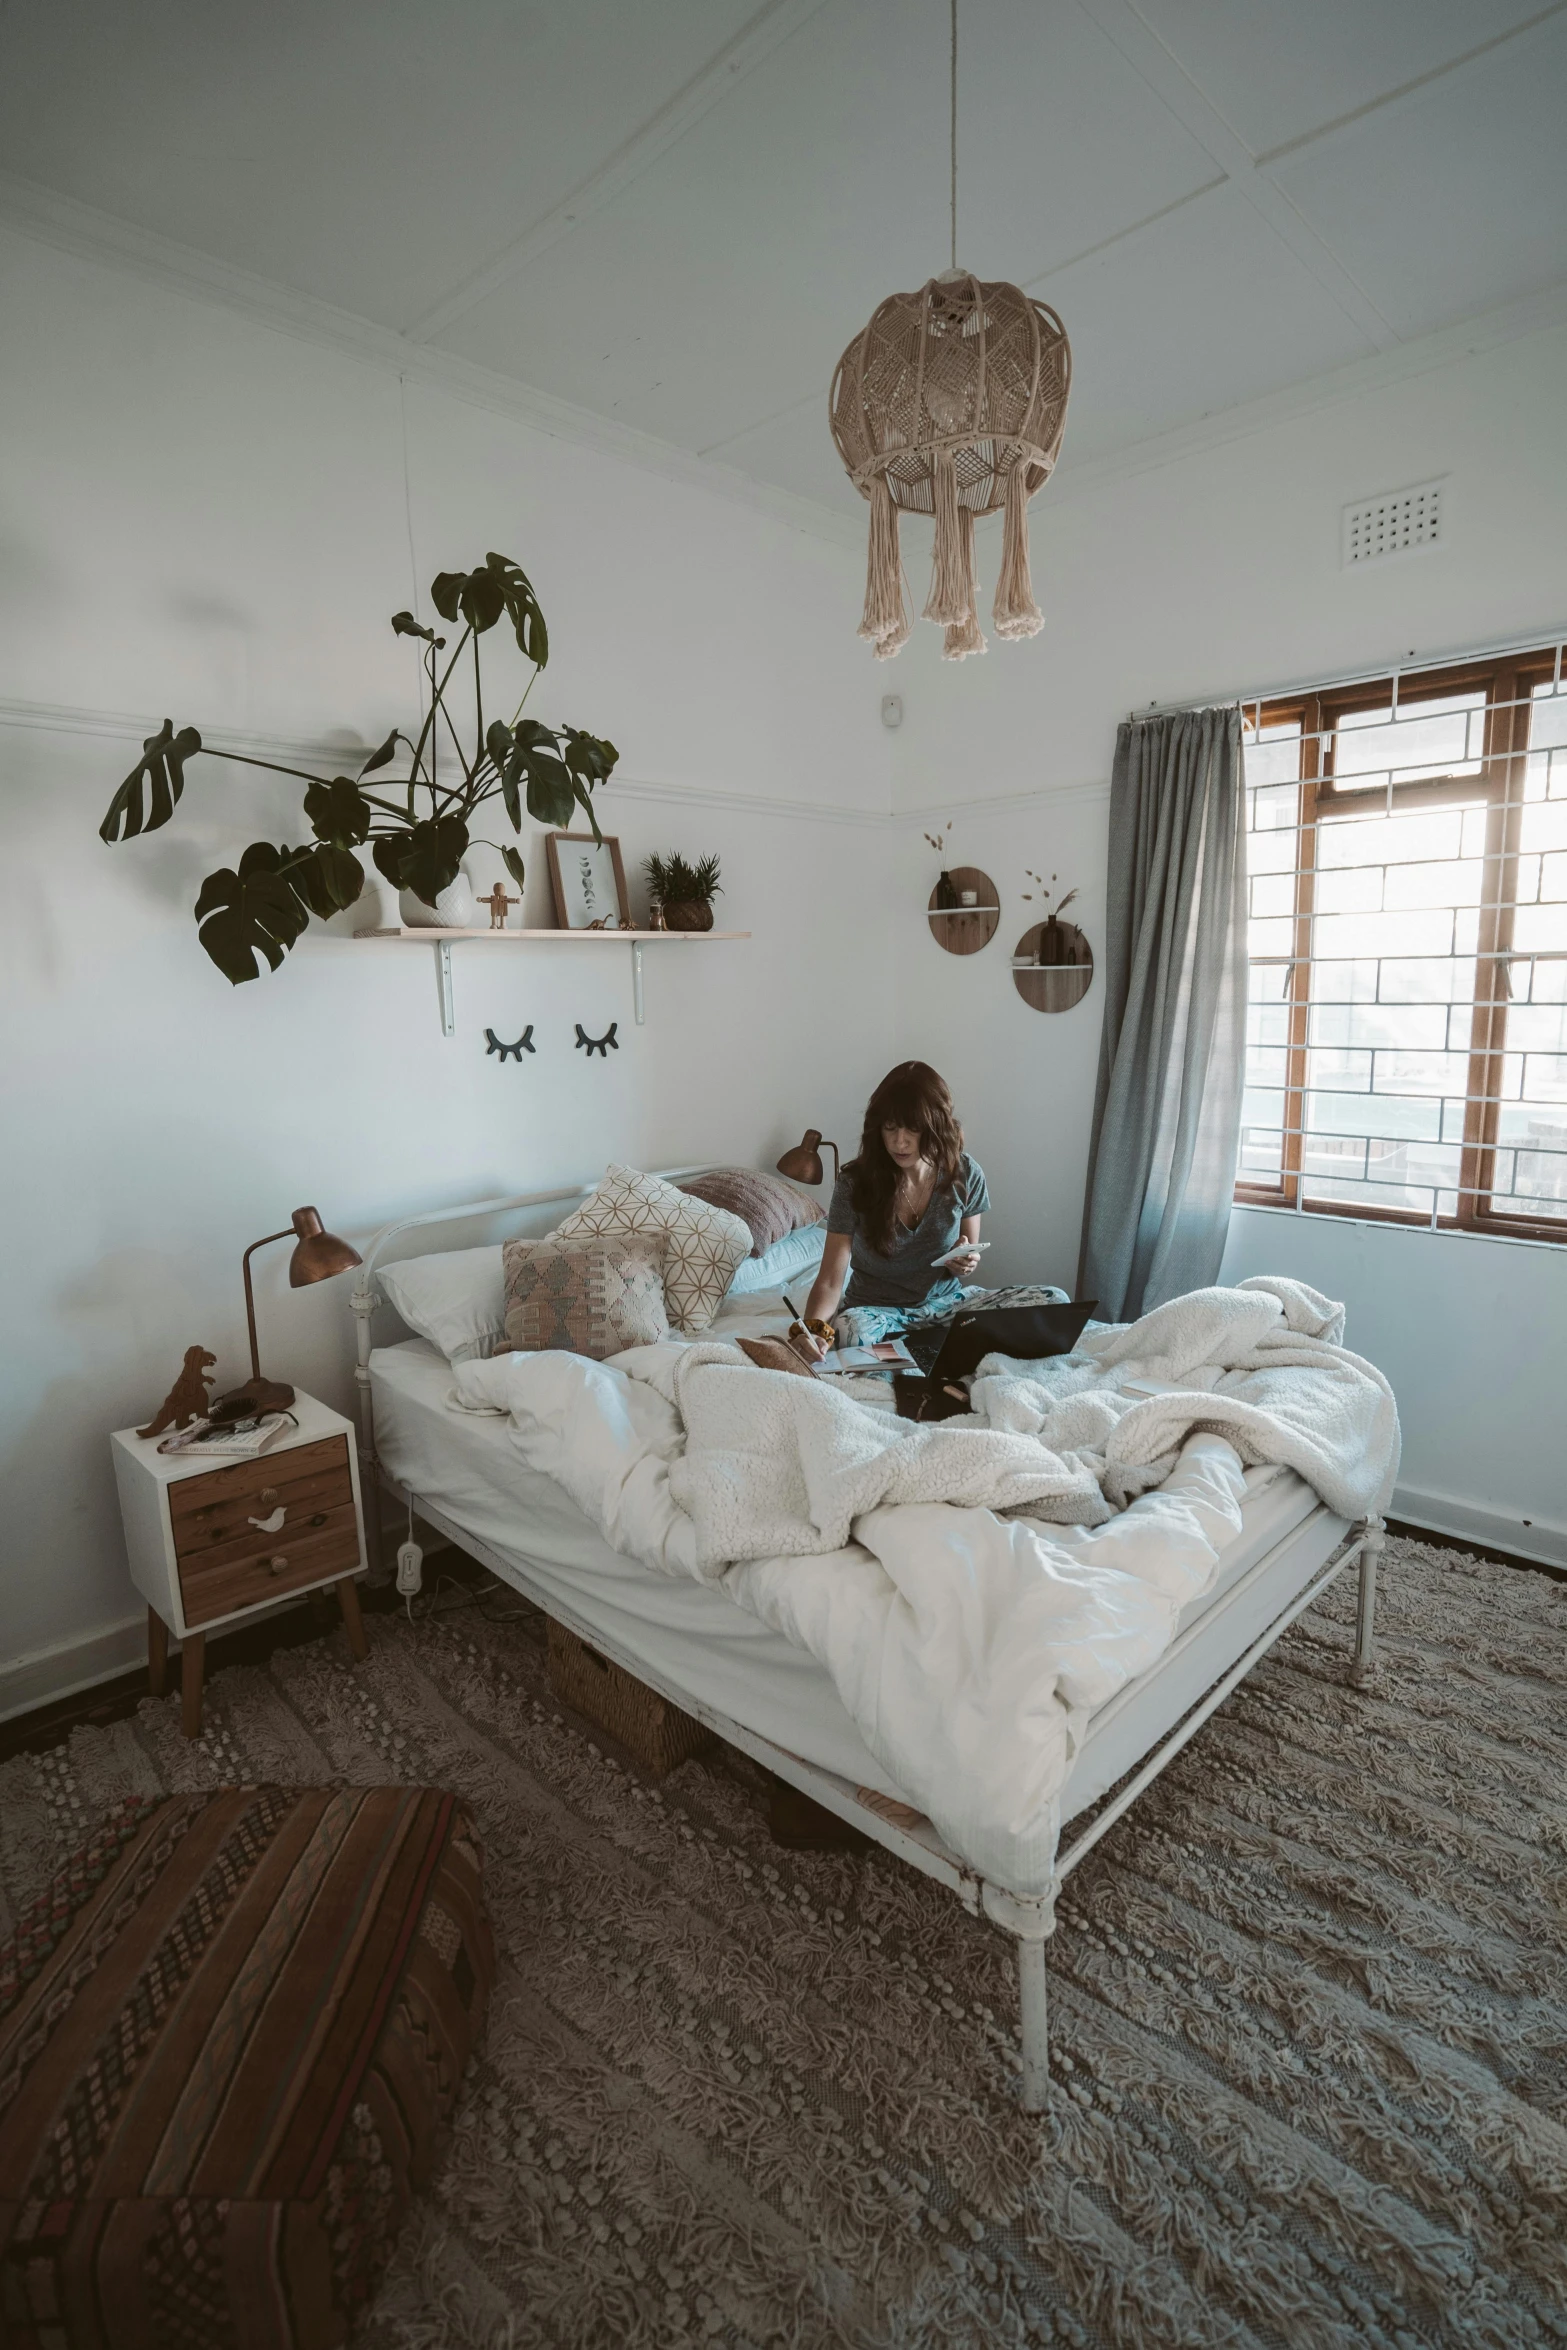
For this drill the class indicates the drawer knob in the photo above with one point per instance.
(267, 1496)
(318, 1520)
(272, 1524)
(276, 1565)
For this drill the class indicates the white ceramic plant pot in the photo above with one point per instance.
(455, 909)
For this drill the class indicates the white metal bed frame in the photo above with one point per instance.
(1029, 1918)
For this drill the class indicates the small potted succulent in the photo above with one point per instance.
(682, 893)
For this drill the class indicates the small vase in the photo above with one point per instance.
(689, 914)
(1052, 943)
(946, 895)
(455, 909)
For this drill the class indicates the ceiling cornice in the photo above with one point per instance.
(97, 236)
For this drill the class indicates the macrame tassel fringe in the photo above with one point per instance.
(964, 636)
(885, 622)
(951, 600)
(1015, 612)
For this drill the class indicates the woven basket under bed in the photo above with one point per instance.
(652, 1729)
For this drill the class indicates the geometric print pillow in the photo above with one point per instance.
(703, 1244)
(586, 1297)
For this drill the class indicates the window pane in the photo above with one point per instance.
(1444, 737)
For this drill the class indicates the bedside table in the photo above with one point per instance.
(212, 1542)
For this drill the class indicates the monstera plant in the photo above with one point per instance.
(418, 824)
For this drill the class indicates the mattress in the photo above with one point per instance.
(700, 1643)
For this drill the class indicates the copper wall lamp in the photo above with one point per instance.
(804, 1163)
(318, 1254)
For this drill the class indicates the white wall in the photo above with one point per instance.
(205, 518)
(1214, 572)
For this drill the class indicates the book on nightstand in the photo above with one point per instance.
(239, 1440)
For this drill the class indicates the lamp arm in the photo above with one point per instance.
(833, 1147)
(250, 1301)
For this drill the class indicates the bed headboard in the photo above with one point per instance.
(543, 1209)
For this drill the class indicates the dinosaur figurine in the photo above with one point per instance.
(187, 1398)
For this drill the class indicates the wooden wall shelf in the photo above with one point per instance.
(442, 940)
(963, 930)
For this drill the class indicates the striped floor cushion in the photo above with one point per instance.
(230, 2033)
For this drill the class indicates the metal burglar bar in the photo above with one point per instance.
(1407, 1025)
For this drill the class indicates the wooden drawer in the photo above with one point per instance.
(208, 1591)
(227, 1561)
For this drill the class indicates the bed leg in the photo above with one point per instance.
(1366, 1605)
(1036, 2026)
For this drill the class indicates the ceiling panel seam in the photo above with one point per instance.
(1406, 91)
(1156, 64)
(767, 31)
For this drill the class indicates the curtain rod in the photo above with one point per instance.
(1513, 642)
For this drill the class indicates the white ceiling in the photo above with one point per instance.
(674, 216)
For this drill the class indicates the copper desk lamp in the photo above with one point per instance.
(318, 1254)
(804, 1163)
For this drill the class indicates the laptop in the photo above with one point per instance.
(1027, 1333)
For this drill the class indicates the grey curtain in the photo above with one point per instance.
(1161, 1167)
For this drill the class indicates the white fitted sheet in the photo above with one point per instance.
(698, 1641)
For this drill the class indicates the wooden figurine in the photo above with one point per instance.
(498, 901)
(187, 1398)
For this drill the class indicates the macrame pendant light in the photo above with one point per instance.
(952, 403)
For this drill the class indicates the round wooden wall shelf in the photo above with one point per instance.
(963, 930)
(1064, 978)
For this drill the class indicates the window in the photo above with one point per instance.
(1407, 1022)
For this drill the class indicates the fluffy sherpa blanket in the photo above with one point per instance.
(979, 1588)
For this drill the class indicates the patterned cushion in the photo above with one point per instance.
(772, 1208)
(702, 1244)
(589, 1297)
(230, 2033)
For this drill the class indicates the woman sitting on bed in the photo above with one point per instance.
(911, 1197)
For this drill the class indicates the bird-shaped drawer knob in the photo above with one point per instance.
(272, 1523)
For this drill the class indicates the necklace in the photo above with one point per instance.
(913, 1195)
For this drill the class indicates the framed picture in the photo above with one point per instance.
(589, 882)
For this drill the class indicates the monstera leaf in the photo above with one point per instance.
(161, 768)
(328, 877)
(405, 625)
(589, 760)
(381, 757)
(425, 858)
(339, 812)
(256, 911)
(512, 860)
(481, 596)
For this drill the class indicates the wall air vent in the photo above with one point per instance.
(1394, 524)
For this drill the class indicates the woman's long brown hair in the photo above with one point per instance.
(911, 1095)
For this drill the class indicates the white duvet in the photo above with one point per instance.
(940, 1574)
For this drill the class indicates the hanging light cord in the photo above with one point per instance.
(954, 133)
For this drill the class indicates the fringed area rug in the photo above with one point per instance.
(1308, 2020)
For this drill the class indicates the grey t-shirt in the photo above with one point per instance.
(908, 1277)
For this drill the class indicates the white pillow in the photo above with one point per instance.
(456, 1299)
(794, 1258)
(702, 1244)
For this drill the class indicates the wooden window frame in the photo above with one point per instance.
(1508, 682)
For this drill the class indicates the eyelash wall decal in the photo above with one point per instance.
(598, 1044)
(511, 1052)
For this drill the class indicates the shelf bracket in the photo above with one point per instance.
(443, 980)
(636, 984)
